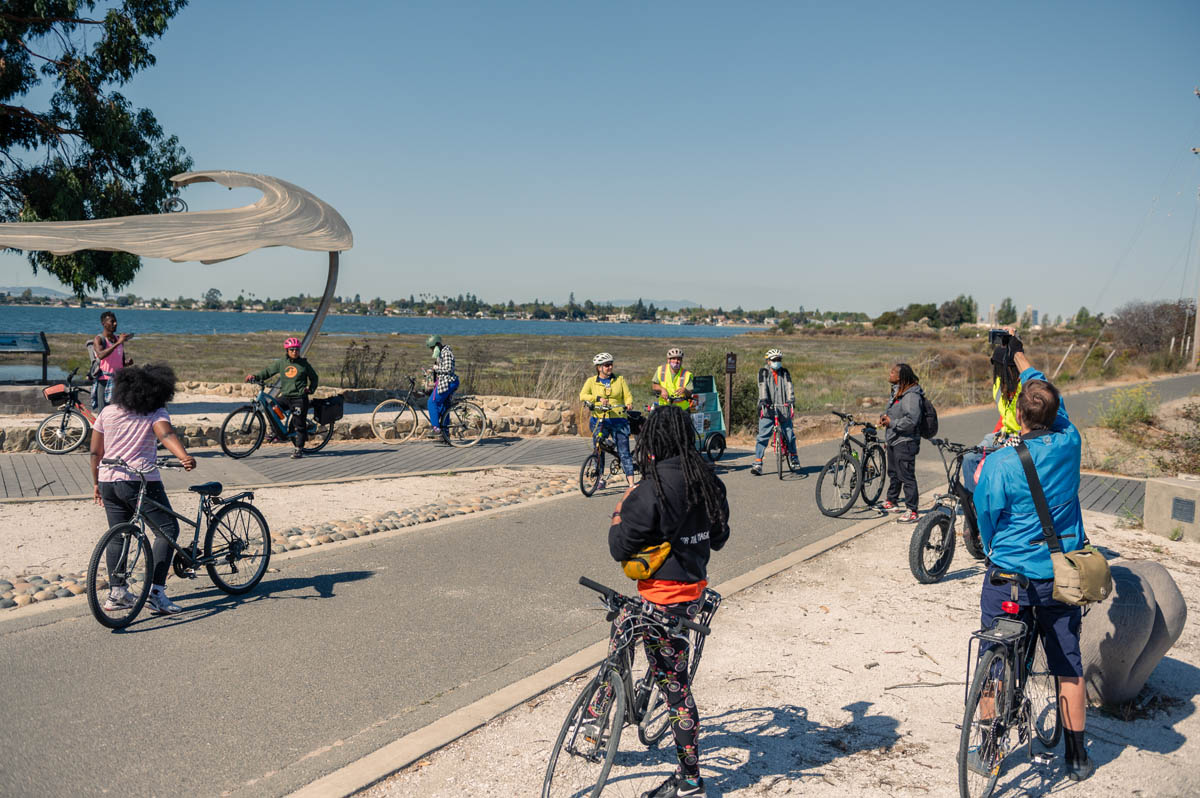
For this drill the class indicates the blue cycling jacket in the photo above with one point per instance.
(1008, 522)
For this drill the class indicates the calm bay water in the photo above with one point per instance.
(34, 318)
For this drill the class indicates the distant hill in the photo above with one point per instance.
(37, 290)
(662, 304)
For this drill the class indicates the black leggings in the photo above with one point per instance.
(902, 472)
(669, 658)
(120, 500)
(299, 419)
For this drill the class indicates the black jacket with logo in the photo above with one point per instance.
(646, 521)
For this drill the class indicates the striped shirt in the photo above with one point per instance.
(444, 369)
(130, 437)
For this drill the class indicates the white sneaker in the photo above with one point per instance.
(161, 605)
(119, 598)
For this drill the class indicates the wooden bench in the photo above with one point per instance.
(27, 342)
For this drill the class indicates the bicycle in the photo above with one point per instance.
(845, 476)
(1012, 699)
(243, 430)
(932, 546)
(587, 744)
(67, 428)
(236, 551)
(778, 442)
(592, 471)
(462, 422)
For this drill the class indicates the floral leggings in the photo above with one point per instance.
(668, 658)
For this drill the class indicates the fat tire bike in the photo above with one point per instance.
(243, 430)
(235, 553)
(931, 549)
(587, 743)
(847, 475)
(1012, 699)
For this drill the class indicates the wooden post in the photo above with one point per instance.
(1064, 360)
(730, 370)
(1110, 357)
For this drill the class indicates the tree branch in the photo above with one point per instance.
(25, 112)
(49, 20)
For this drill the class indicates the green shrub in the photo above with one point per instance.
(1185, 445)
(1129, 410)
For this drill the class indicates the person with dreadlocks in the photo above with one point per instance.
(681, 501)
(903, 441)
(1006, 390)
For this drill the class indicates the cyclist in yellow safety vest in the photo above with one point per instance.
(672, 382)
(605, 392)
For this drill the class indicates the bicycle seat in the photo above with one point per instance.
(1005, 577)
(207, 489)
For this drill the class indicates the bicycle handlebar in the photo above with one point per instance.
(161, 462)
(957, 448)
(613, 597)
(849, 419)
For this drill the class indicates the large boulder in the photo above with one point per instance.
(1124, 637)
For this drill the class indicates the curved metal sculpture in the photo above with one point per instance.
(287, 215)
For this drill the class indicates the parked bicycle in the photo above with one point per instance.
(1012, 699)
(932, 546)
(778, 441)
(67, 428)
(847, 475)
(463, 422)
(592, 472)
(243, 430)
(587, 743)
(236, 550)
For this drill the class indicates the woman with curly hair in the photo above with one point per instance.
(129, 428)
(680, 500)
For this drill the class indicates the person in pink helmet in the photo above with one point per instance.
(297, 381)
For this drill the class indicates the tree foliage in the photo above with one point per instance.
(88, 153)
(1150, 326)
(1007, 312)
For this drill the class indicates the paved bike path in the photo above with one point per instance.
(346, 647)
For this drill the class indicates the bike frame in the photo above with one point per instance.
(1013, 636)
(203, 511)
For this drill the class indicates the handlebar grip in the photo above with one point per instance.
(695, 627)
(112, 461)
(607, 592)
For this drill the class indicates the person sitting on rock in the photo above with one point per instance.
(609, 398)
(129, 428)
(297, 381)
(1012, 537)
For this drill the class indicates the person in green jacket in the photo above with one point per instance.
(297, 381)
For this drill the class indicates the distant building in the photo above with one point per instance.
(1035, 318)
(991, 319)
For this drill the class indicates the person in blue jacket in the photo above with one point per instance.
(1013, 540)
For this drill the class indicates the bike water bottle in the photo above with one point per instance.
(278, 412)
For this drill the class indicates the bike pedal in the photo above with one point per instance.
(1043, 758)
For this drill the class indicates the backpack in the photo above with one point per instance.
(93, 361)
(928, 425)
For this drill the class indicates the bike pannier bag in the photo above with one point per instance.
(928, 428)
(56, 394)
(1082, 576)
(643, 564)
(328, 410)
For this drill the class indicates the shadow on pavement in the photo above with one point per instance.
(321, 586)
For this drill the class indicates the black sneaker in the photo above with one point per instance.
(677, 787)
(1080, 770)
(296, 455)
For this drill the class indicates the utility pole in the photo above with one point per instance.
(1196, 328)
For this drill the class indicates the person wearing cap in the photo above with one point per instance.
(672, 382)
(775, 395)
(609, 397)
(445, 381)
(297, 381)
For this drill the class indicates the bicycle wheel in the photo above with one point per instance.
(237, 548)
(62, 432)
(586, 745)
(589, 474)
(1041, 688)
(983, 744)
(932, 547)
(971, 540)
(318, 434)
(656, 717)
(463, 424)
(132, 567)
(242, 431)
(837, 485)
(874, 474)
(394, 421)
(715, 448)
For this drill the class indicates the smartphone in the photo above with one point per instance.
(998, 337)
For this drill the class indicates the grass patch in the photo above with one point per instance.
(1130, 411)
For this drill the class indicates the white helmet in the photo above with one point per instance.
(602, 358)
(772, 354)
(674, 352)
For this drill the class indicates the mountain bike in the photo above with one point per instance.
(67, 428)
(592, 472)
(778, 442)
(462, 423)
(932, 546)
(236, 550)
(243, 430)
(1012, 699)
(587, 743)
(846, 476)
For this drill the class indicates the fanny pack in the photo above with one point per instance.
(1081, 576)
(643, 564)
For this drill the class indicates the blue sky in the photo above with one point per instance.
(834, 155)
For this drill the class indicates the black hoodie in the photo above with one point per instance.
(646, 521)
